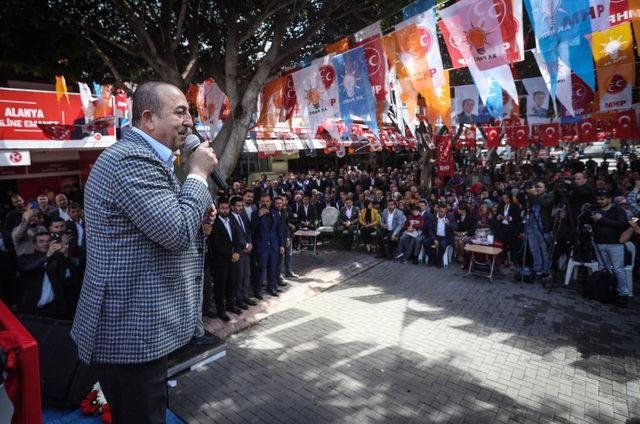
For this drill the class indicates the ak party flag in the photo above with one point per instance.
(354, 89)
(317, 96)
(474, 27)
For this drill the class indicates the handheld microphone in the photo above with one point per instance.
(192, 142)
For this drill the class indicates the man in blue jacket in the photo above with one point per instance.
(268, 239)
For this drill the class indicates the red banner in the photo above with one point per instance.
(493, 136)
(446, 166)
(625, 125)
(587, 131)
(550, 135)
(36, 119)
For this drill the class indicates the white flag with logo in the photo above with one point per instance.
(317, 95)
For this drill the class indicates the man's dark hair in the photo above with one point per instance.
(222, 200)
(234, 200)
(58, 219)
(41, 233)
(146, 98)
(74, 205)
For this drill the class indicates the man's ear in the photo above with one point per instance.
(147, 120)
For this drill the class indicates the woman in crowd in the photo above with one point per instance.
(508, 220)
(466, 227)
(369, 223)
(484, 221)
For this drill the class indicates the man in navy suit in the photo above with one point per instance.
(269, 243)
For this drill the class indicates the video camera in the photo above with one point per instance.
(563, 186)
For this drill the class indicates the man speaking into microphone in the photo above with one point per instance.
(142, 289)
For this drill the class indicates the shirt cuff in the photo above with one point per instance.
(199, 178)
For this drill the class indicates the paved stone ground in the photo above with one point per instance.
(407, 343)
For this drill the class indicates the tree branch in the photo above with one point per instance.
(137, 25)
(272, 8)
(180, 26)
(105, 58)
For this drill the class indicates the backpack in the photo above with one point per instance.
(602, 286)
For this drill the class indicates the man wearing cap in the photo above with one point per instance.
(609, 222)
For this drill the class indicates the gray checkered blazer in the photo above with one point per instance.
(142, 288)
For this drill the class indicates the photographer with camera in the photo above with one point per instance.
(581, 192)
(609, 222)
(537, 225)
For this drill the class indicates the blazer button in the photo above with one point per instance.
(200, 250)
(198, 279)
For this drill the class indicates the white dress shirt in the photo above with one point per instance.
(440, 230)
(46, 295)
(227, 225)
(80, 232)
(348, 213)
(390, 220)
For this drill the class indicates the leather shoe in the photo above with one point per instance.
(282, 284)
(242, 306)
(274, 293)
(234, 309)
(204, 340)
(224, 317)
(258, 296)
(250, 302)
(292, 275)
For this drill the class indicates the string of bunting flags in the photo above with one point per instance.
(375, 90)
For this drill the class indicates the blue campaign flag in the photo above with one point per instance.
(555, 22)
(416, 7)
(581, 61)
(355, 90)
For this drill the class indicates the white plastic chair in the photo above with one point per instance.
(629, 268)
(329, 218)
(571, 268)
(448, 256)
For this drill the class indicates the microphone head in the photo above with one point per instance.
(192, 142)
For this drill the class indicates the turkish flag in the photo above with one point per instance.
(446, 166)
(586, 130)
(550, 134)
(624, 124)
(494, 134)
(519, 137)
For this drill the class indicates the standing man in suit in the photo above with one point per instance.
(142, 290)
(224, 245)
(243, 268)
(269, 243)
(280, 205)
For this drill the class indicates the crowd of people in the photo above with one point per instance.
(535, 210)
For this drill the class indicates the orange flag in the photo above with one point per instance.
(271, 105)
(412, 69)
(634, 11)
(61, 88)
(339, 46)
(615, 66)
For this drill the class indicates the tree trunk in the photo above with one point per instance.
(426, 168)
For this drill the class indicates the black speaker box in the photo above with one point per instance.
(64, 380)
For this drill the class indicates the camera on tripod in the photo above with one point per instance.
(587, 210)
(563, 186)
